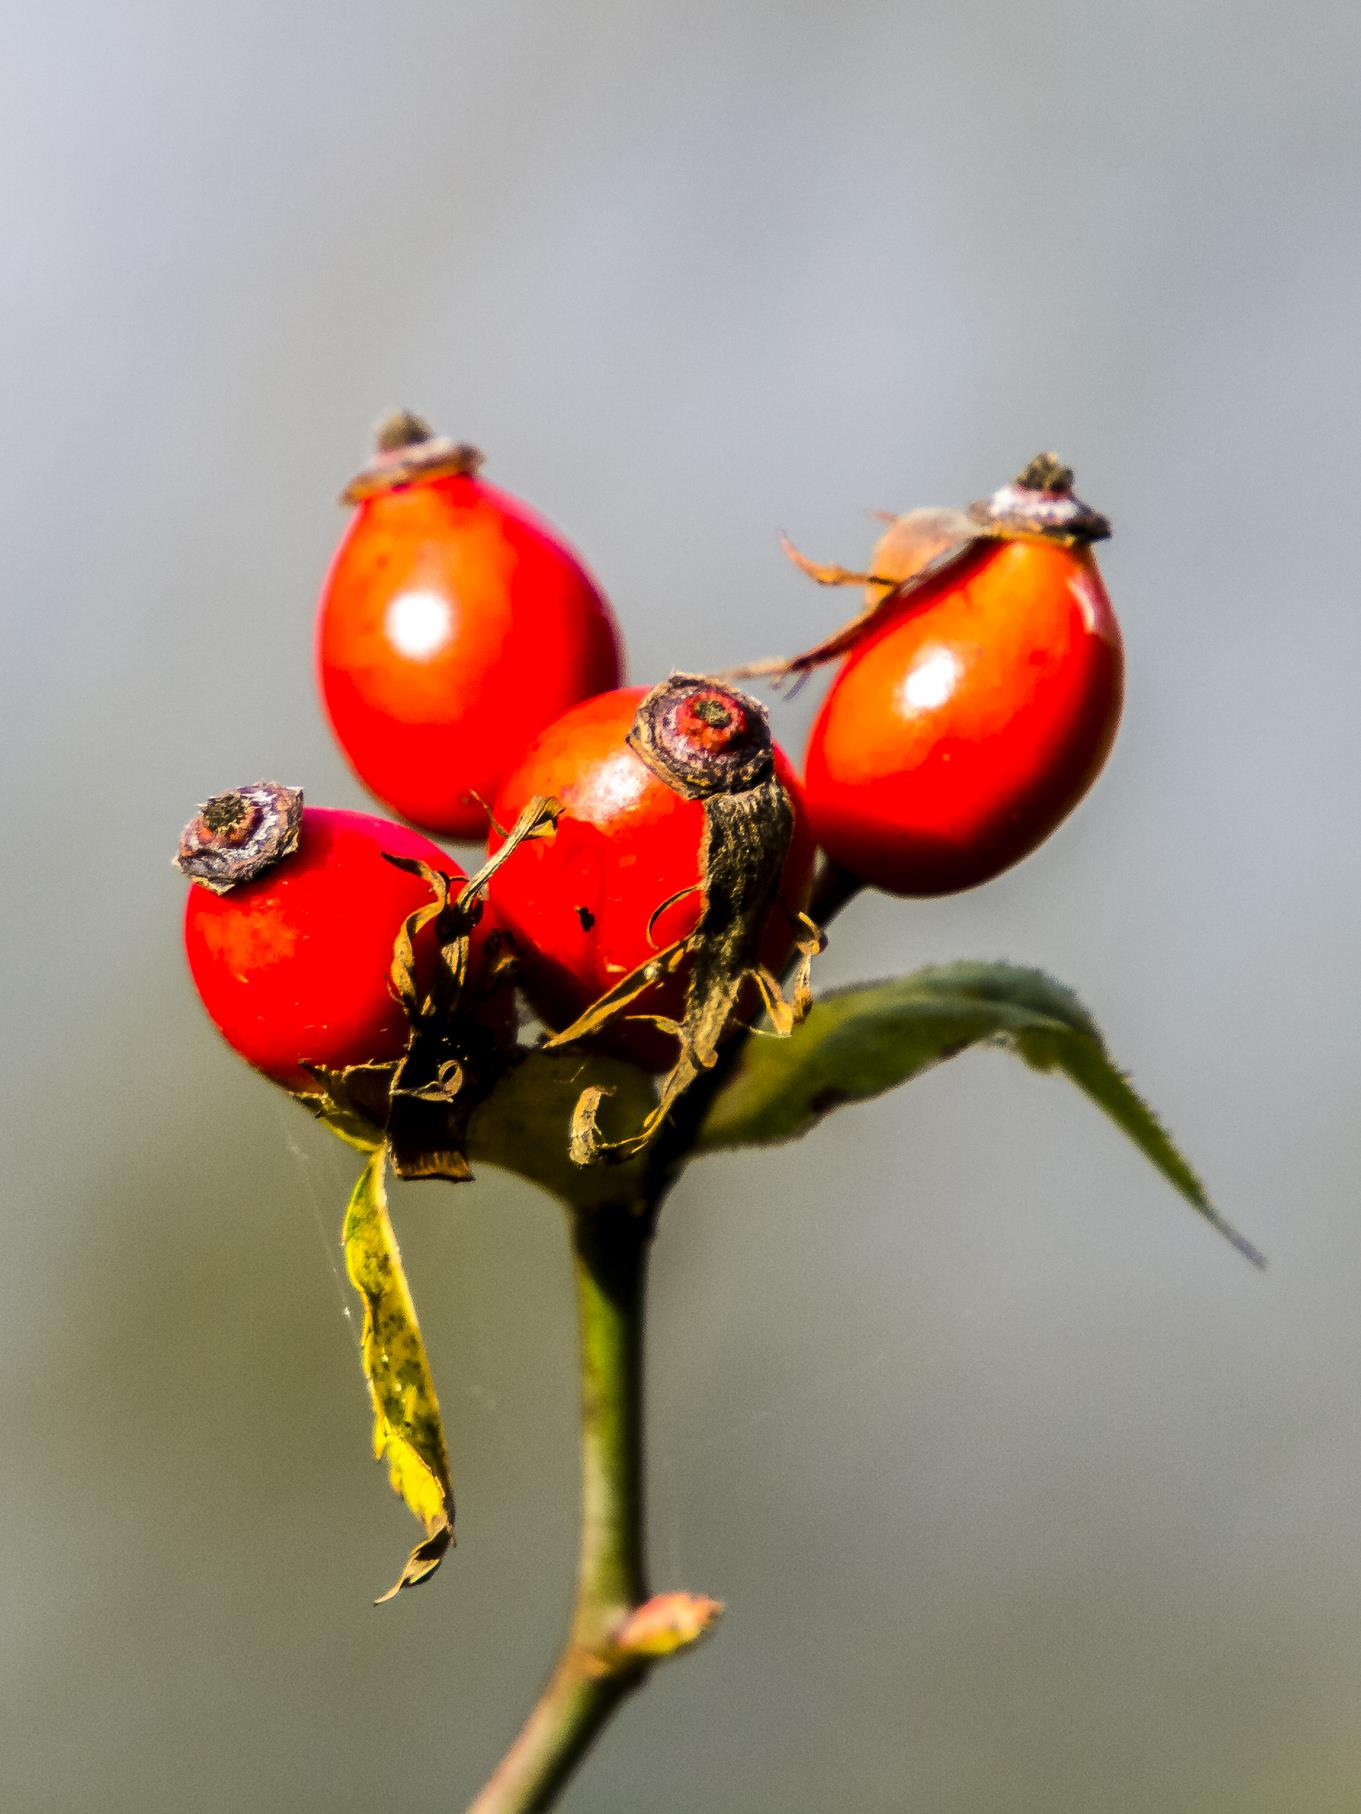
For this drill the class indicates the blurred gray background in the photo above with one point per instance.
(1026, 1495)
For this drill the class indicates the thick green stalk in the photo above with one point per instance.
(610, 1250)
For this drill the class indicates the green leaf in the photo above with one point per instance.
(857, 1043)
(406, 1416)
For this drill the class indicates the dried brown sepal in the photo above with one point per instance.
(748, 825)
(424, 1559)
(406, 451)
(928, 543)
(924, 545)
(681, 894)
(453, 1057)
(420, 1105)
(453, 929)
(238, 835)
(788, 1003)
(606, 1007)
(584, 1140)
(352, 1102)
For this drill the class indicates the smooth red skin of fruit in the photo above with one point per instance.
(956, 738)
(454, 625)
(294, 965)
(577, 905)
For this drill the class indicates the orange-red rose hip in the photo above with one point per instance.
(582, 907)
(454, 624)
(291, 959)
(972, 719)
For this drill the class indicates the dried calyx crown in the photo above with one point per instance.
(1040, 501)
(703, 738)
(238, 835)
(406, 451)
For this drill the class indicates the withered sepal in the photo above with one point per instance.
(925, 546)
(455, 1053)
(709, 742)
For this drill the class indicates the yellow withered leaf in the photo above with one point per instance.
(406, 1418)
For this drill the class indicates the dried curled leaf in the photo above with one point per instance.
(456, 1053)
(406, 1418)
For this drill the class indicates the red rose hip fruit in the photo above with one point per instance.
(290, 924)
(973, 717)
(454, 625)
(621, 878)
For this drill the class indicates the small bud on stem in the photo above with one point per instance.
(666, 1624)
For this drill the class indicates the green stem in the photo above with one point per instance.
(610, 1250)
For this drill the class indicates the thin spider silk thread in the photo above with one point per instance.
(330, 1243)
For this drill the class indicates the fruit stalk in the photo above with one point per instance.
(594, 1674)
(597, 1669)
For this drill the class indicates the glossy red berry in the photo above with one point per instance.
(454, 625)
(973, 717)
(292, 959)
(589, 905)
